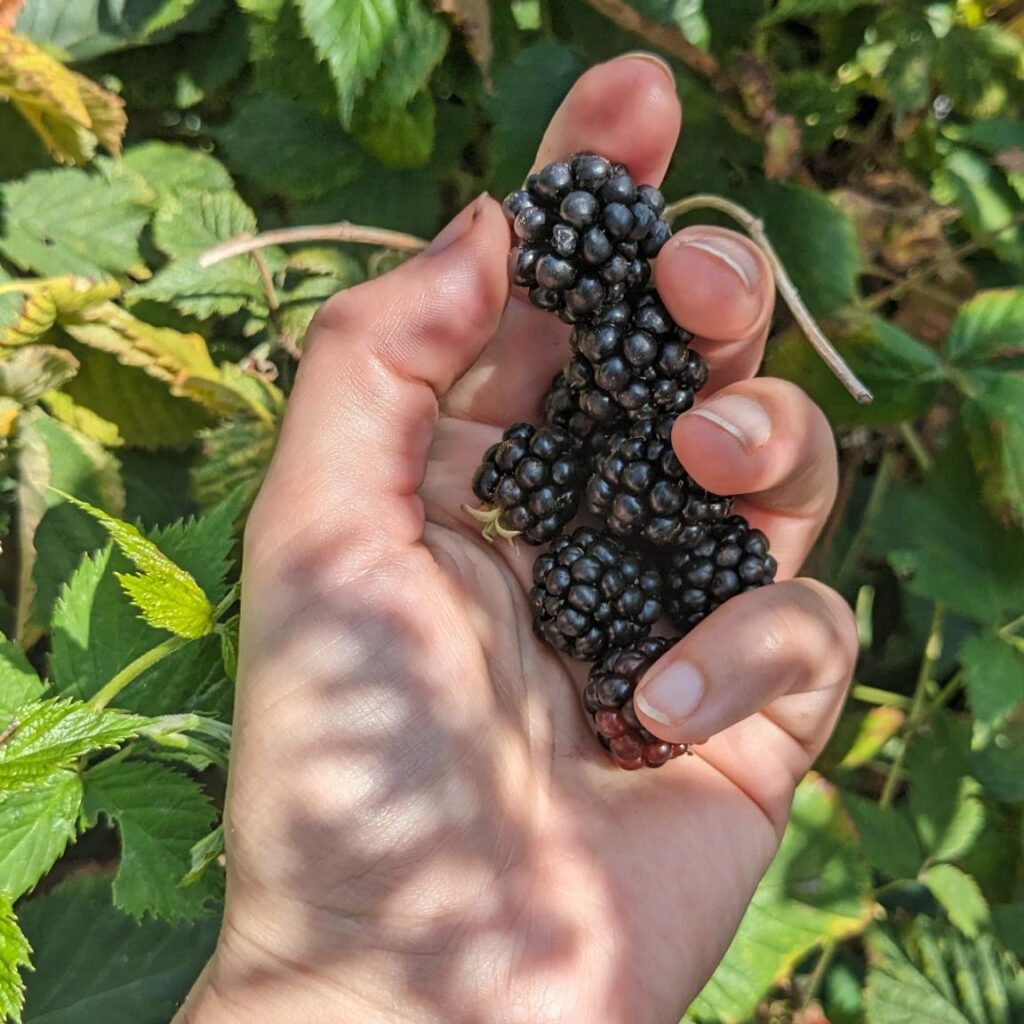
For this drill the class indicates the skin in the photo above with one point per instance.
(421, 826)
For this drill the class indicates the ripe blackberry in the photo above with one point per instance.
(591, 594)
(586, 232)
(641, 359)
(608, 699)
(563, 407)
(530, 483)
(731, 559)
(639, 488)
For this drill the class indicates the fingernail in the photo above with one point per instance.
(458, 226)
(740, 417)
(730, 252)
(672, 695)
(651, 58)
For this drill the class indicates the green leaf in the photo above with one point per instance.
(888, 837)
(994, 136)
(167, 595)
(397, 136)
(994, 678)
(204, 853)
(52, 734)
(961, 897)
(288, 148)
(929, 974)
(186, 225)
(1008, 925)
(75, 222)
(14, 955)
(18, 681)
(93, 963)
(944, 800)
(161, 814)
(999, 765)
(989, 325)
(168, 167)
(817, 889)
(235, 457)
(36, 826)
(809, 8)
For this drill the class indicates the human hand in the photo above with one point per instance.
(421, 826)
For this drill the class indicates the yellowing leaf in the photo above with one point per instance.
(27, 373)
(67, 111)
(61, 406)
(46, 300)
(167, 596)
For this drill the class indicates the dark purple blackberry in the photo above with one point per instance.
(585, 234)
(608, 699)
(639, 488)
(530, 483)
(731, 559)
(641, 359)
(563, 408)
(591, 594)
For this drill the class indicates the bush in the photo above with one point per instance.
(881, 145)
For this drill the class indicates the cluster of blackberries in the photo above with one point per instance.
(666, 550)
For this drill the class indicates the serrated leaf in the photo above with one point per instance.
(69, 113)
(961, 897)
(94, 963)
(186, 225)
(204, 853)
(52, 734)
(18, 681)
(169, 167)
(999, 765)
(75, 222)
(989, 325)
(167, 14)
(160, 814)
(808, 8)
(39, 304)
(818, 888)
(27, 373)
(994, 679)
(83, 420)
(887, 835)
(15, 954)
(167, 595)
(235, 457)
(36, 826)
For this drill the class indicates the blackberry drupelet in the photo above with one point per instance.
(530, 482)
(591, 594)
(731, 559)
(608, 699)
(641, 359)
(563, 407)
(586, 232)
(639, 488)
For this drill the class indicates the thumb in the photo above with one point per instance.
(359, 423)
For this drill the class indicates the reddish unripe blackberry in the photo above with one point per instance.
(530, 483)
(641, 358)
(591, 594)
(563, 407)
(585, 232)
(608, 700)
(731, 559)
(639, 488)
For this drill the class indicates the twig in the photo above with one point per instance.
(9, 731)
(755, 228)
(340, 232)
(663, 37)
(287, 340)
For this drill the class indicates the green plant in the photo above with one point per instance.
(878, 147)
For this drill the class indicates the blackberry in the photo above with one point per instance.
(641, 359)
(585, 232)
(530, 482)
(591, 594)
(639, 488)
(563, 407)
(608, 699)
(731, 559)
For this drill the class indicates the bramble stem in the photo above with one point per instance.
(880, 698)
(754, 227)
(343, 231)
(102, 697)
(916, 446)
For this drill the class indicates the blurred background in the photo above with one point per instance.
(882, 144)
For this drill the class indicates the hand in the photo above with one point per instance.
(420, 825)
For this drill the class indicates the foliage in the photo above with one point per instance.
(140, 396)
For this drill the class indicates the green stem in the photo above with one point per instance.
(879, 490)
(883, 698)
(948, 692)
(916, 446)
(828, 952)
(134, 669)
(919, 708)
(1011, 627)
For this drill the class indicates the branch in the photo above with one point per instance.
(663, 37)
(814, 334)
(341, 232)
